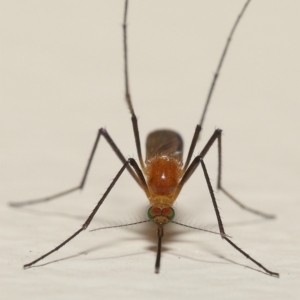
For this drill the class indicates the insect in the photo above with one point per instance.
(163, 174)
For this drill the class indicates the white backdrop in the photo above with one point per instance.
(62, 79)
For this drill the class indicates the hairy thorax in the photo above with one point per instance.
(163, 175)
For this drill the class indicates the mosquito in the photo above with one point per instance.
(163, 173)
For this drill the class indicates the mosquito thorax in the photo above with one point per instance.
(163, 174)
(161, 216)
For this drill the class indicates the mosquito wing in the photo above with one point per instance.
(164, 142)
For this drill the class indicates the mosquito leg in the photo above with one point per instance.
(127, 90)
(243, 206)
(193, 166)
(101, 132)
(131, 162)
(137, 140)
(217, 135)
(252, 259)
(199, 160)
(192, 146)
(221, 60)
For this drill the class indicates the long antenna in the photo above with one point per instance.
(215, 78)
(122, 225)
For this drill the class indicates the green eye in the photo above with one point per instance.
(168, 212)
(153, 212)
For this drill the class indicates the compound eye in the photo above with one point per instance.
(153, 212)
(168, 212)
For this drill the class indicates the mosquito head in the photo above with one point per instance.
(161, 216)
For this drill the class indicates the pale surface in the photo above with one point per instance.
(62, 79)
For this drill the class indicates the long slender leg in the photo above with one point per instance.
(199, 160)
(127, 91)
(275, 274)
(221, 227)
(101, 132)
(217, 135)
(221, 61)
(213, 84)
(193, 166)
(131, 162)
(192, 147)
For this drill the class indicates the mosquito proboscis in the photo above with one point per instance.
(163, 173)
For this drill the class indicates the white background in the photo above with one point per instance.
(62, 79)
